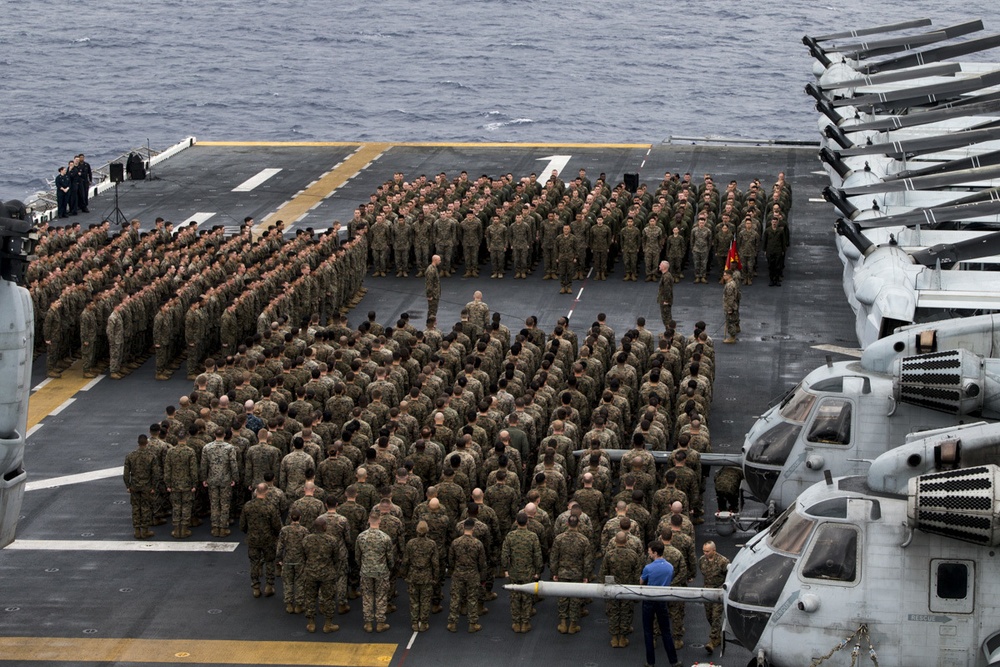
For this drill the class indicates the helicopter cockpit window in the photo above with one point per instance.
(834, 508)
(834, 554)
(832, 423)
(790, 532)
(798, 405)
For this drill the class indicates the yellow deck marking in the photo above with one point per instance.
(324, 187)
(417, 144)
(55, 393)
(187, 651)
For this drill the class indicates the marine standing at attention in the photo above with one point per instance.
(665, 294)
(262, 524)
(142, 468)
(432, 283)
(374, 552)
(521, 560)
(714, 567)
(566, 257)
(731, 304)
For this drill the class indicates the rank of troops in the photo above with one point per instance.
(570, 226)
(382, 453)
(113, 299)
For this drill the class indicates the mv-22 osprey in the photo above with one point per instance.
(898, 565)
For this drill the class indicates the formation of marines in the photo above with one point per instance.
(574, 227)
(355, 457)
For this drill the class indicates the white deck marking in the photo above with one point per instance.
(66, 480)
(580, 294)
(817, 200)
(90, 385)
(557, 162)
(41, 384)
(199, 218)
(847, 351)
(413, 638)
(254, 181)
(119, 545)
(569, 314)
(68, 402)
(31, 431)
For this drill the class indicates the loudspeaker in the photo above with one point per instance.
(117, 172)
(632, 182)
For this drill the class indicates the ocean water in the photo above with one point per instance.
(104, 77)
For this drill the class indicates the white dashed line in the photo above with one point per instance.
(90, 385)
(68, 402)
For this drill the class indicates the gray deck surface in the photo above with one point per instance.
(78, 594)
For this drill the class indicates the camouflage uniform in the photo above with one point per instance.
(571, 560)
(142, 469)
(701, 244)
(219, 472)
(496, 243)
(727, 488)
(521, 559)
(676, 251)
(674, 556)
(565, 257)
(375, 554)
(731, 305)
(600, 244)
(432, 284)
(261, 522)
(624, 564)
(116, 341)
(665, 298)
(520, 243)
(652, 244)
(467, 562)
(323, 559)
(472, 238)
(714, 572)
(631, 241)
(420, 569)
(180, 475)
(290, 553)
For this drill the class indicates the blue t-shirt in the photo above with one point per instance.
(658, 573)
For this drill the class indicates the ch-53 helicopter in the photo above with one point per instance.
(17, 242)
(899, 563)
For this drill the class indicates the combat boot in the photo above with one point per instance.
(147, 533)
(614, 641)
(452, 627)
(343, 609)
(483, 610)
(563, 627)
(728, 340)
(516, 627)
(175, 533)
(424, 626)
(224, 532)
(574, 628)
(474, 627)
(215, 531)
(381, 627)
(268, 590)
(299, 609)
(622, 641)
(709, 647)
(368, 627)
(138, 533)
(415, 627)
(289, 608)
(525, 627)
(437, 608)
(330, 626)
(256, 590)
(310, 624)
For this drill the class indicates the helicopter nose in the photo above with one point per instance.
(760, 480)
(754, 595)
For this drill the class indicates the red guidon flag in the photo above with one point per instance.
(733, 258)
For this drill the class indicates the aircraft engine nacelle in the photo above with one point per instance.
(16, 343)
(962, 504)
(954, 381)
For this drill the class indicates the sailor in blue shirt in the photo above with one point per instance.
(657, 573)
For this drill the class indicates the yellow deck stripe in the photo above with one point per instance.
(55, 393)
(189, 651)
(418, 144)
(321, 189)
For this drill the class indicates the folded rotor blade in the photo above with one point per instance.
(926, 144)
(884, 124)
(984, 160)
(942, 69)
(874, 30)
(906, 97)
(934, 216)
(935, 55)
(950, 254)
(927, 182)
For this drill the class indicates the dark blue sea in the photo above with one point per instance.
(103, 77)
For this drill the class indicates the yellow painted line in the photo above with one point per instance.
(55, 393)
(418, 144)
(193, 651)
(324, 187)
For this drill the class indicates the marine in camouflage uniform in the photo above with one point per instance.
(180, 476)
(116, 343)
(521, 561)
(520, 243)
(630, 242)
(88, 339)
(402, 240)
(467, 562)
(674, 556)
(665, 294)
(375, 554)
(379, 239)
(290, 556)
(727, 488)
(323, 557)
(624, 564)
(600, 244)
(422, 236)
(731, 305)
(472, 238)
(420, 569)
(571, 560)
(551, 228)
(432, 285)
(496, 244)
(748, 245)
(722, 242)
(219, 474)
(142, 469)
(566, 259)
(701, 245)
(676, 251)
(652, 245)
(262, 524)
(714, 567)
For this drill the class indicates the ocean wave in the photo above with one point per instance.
(493, 127)
(81, 40)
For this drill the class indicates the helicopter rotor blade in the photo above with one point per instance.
(935, 215)
(874, 30)
(885, 124)
(941, 69)
(941, 142)
(971, 162)
(862, 50)
(927, 182)
(935, 55)
(949, 254)
(908, 97)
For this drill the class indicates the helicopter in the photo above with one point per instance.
(844, 414)
(898, 563)
(17, 241)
